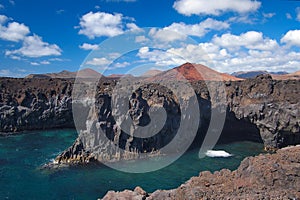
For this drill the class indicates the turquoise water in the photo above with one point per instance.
(22, 155)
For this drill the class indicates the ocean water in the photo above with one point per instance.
(22, 155)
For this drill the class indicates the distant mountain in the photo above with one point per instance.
(253, 74)
(151, 72)
(248, 74)
(84, 73)
(295, 76)
(193, 72)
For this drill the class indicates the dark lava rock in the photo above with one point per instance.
(267, 176)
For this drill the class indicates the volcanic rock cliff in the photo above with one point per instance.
(32, 104)
(260, 109)
(269, 176)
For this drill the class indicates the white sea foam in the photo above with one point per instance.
(217, 153)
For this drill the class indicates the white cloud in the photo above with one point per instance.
(133, 27)
(87, 46)
(246, 19)
(229, 53)
(165, 35)
(288, 16)
(179, 31)
(3, 19)
(198, 29)
(101, 24)
(15, 57)
(33, 46)
(141, 39)
(269, 15)
(14, 31)
(143, 50)
(118, 65)
(104, 24)
(291, 38)
(45, 62)
(99, 62)
(250, 40)
(34, 63)
(160, 57)
(298, 13)
(214, 7)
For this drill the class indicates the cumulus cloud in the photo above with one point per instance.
(230, 53)
(87, 46)
(250, 40)
(198, 29)
(165, 35)
(33, 46)
(179, 31)
(160, 57)
(214, 7)
(291, 38)
(104, 24)
(101, 24)
(14, 31)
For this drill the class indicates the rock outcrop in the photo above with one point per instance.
(27, 104)
(267, 176)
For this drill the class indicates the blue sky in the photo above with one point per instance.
(54, 35)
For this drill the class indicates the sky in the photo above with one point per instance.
(130, 36)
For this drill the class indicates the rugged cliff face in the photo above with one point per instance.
(270, 176)
(260, 109)
(27, 104)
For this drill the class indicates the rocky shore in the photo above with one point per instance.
(267, 176)
(260, 109)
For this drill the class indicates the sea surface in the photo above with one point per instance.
(21, 157)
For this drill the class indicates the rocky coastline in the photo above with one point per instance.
(260, 109)
(267, 176)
